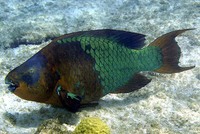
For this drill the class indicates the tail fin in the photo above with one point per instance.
(171, 52)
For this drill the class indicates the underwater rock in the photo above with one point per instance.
(89, 125)
(10, 117)
(52, 126)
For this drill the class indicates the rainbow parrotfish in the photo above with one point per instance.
(79, 68)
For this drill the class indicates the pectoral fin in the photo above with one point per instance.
(69, 100)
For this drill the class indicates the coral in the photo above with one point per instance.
(92, 125)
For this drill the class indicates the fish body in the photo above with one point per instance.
(79, 68)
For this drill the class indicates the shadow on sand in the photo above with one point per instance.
(36, 117)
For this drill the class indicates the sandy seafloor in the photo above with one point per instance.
(169, 104)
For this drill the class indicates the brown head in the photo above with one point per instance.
(33, 80)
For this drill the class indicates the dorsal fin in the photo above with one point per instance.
(127, 39)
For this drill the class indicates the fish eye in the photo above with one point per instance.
(31, 70)
(30, 76)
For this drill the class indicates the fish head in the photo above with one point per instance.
(33, 80)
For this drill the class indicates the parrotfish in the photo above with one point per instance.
(79, 68)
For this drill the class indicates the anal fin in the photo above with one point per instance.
(138, 81)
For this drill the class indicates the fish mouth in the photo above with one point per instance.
(11, 85)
